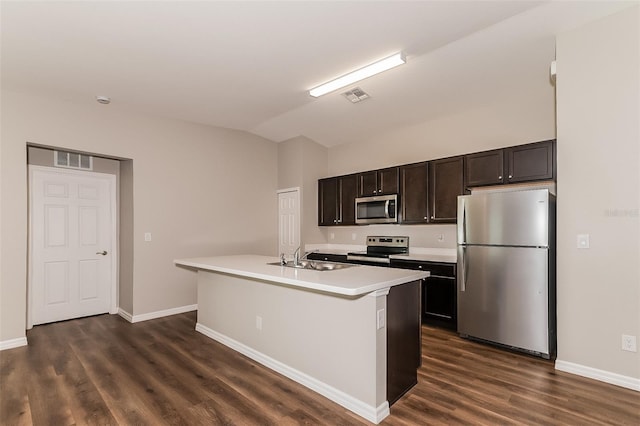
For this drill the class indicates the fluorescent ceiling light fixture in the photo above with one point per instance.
(373, 69)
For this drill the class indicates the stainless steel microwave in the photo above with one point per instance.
(380, 209)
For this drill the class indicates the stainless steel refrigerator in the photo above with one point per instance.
(506, 269)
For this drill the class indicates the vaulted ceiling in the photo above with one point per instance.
(249, 65)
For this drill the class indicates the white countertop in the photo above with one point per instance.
(354, 281)
(424, 254)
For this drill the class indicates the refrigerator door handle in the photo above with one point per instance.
(463, 277)
(464, 223)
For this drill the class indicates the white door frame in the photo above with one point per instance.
(299, 192)
(111, 179)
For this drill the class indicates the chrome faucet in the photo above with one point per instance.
(297, 258)
(283, 260)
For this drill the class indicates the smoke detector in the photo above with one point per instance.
(105, 100)
(356, 95)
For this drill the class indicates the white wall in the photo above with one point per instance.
(598, 96)
(301, 162)
(199, 190)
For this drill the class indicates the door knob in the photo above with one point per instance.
(104, 252)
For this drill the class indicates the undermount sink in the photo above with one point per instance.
(314, 265)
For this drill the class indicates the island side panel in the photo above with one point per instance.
(330, 338)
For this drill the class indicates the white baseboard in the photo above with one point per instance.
(157, 314)
(126, 315)
(369, 412)
(601, 375)
(13, 343)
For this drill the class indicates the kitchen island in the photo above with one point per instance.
(352, 334)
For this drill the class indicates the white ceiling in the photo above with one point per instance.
(249, 65)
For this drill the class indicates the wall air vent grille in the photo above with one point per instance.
(72, 160)
(356, 95)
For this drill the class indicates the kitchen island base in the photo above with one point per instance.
(333, 344)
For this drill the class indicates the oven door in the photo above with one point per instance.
(383, 209)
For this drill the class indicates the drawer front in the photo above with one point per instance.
(328, 257)
(435, 268)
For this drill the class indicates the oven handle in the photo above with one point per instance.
(369, 259)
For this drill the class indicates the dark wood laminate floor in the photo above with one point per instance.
(103, 370)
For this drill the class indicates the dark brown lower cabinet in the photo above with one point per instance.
(439, 301)
(439, 292)
(403, 339)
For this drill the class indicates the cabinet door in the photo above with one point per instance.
(530, 162)
(388, 181)
(445, 184)
(484, 168)
(368, 183)
(414, 186)
(439, 299)
(327, 199)
(348, 188)
(404, 348)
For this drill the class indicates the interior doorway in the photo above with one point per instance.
(288, 220)
(72, 244)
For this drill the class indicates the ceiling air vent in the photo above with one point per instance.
(72, 160)
(356, 95)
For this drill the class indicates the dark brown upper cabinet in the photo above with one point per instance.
(428, 191)
(445, 184)
(327, 199)
(378, 182)
(336, 200)
(414, 186)
(523, 163)
(534, 161)
(484, 168)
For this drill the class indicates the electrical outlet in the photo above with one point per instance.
(354, 236)
(332, 236)
(381, 319)
(258, 322)
(147, 236)
(441, 238)
(629, 343)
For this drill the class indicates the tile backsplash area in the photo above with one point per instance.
(427, 236)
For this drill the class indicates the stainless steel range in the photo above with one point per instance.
(379, 249)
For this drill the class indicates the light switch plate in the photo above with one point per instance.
(582, 241)
(380, 319)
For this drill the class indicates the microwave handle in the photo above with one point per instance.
(386, 208)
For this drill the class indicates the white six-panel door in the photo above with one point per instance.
(72, 244)
(289, 220)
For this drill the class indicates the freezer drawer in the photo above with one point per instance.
(503, 295)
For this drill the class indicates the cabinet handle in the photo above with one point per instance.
(425, 218)
(432, 217)
(500, 177)
(374, 191)
(419, 266)
(510, 176)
